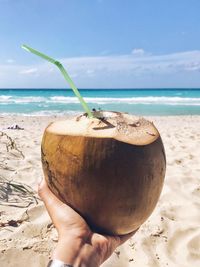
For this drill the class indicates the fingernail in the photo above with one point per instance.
(41, 179)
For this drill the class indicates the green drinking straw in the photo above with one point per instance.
(65, 74)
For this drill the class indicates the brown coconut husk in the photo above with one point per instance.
(110, 169)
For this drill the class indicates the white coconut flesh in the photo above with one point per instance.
(120, 126)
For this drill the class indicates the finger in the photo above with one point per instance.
(42, 187)
(50, 200)
(55, 207)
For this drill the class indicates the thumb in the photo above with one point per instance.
(50, 200)
(44, 192)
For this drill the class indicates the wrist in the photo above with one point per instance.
(76, 252)
(57, 263)
(67, 249)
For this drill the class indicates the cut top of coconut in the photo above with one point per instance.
(108, 124)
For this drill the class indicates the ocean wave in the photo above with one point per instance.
(146, 100)
(55, 112)
(21, 100)
(43, 113)
(4, 98)
(101, 100)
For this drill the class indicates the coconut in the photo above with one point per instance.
(109, 168)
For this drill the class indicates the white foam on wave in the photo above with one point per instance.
(4, 98)
(129, 100)
(43, 113)
(101, 100)
(63, 99)
(20, 100)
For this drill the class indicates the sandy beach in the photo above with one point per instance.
(170, 237)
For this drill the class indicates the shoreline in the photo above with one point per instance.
(170, 237)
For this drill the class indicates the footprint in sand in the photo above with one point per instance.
(194, 248)
(183, 247)
(119, 258)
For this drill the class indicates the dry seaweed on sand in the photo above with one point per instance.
(12, 193)
(10, 144)
(16, 194)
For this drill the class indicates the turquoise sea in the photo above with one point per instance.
(136, 101)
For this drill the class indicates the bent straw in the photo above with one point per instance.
(65, 74)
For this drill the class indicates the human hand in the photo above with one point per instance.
(77, 244)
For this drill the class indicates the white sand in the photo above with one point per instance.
(170, 237)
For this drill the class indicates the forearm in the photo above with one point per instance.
(77, 253)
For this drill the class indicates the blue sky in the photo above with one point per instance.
(102, 43)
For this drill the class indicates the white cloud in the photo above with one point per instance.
(10, 61)
(90, 72)
(138, 51)
(168, 63)
(193, 66)
(168, 70)
(29, 71)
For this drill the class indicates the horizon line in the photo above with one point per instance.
(106, 88)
